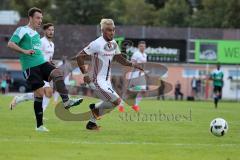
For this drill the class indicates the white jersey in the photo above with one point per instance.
(48, 49)
(102, 53)
(139, 57)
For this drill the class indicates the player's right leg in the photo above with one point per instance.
(35, 82)
(220, 93)
(138, 99)
(141, 91)
(38, 109)
(56, 75)
(22, 98)
(121, 107)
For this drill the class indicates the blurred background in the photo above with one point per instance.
(189, 37)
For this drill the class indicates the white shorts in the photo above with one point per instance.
(105, 91)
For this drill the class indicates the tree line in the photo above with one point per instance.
(165, 13)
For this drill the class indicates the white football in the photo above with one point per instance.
(218, 127)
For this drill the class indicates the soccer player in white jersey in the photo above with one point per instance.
(47, 47)
(102, 51)
(138, 57)
(48, 51)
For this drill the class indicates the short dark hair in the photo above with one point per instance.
(47, 25)
(141, 42)
(31, 11)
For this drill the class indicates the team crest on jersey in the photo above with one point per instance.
(110, 46)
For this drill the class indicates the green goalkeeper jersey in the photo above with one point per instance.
(27, 38)
(217, 77)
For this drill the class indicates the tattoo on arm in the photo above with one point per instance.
(120, 59)
(81, 57)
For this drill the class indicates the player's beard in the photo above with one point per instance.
(110, 37)
(49, 37)
(107, 37)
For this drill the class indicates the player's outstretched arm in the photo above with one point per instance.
(120, 59)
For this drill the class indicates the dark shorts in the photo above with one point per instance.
(36, 76)
(217, 89)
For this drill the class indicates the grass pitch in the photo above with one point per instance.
(168, 130)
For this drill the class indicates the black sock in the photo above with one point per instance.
(57, 76)
(62, 90)
(215, 101)
(64, 97)
(38, 110)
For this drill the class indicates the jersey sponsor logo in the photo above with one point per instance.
(108, 54)
(110, 46)
(36, 45)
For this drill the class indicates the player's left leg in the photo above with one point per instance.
(98, 110)
(218, 95)
(110, 99)
(48, 91)
(22, 98)
(141, 91)
(55, 97)
(215, 96)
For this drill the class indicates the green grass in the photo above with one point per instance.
(121, 138)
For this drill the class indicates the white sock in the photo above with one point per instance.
(92, 118)
(45, 102)
(138, 99)
(104, 105)
(29, 96)
(101, 105)
(55, 96)
(25, 97)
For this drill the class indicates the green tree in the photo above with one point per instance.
(24, 5)
(132, 12)
(81, 11)
(211, 15)
(5, 5)
(232, 16)
(217, 14)
(157, 3)
(175, 13)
